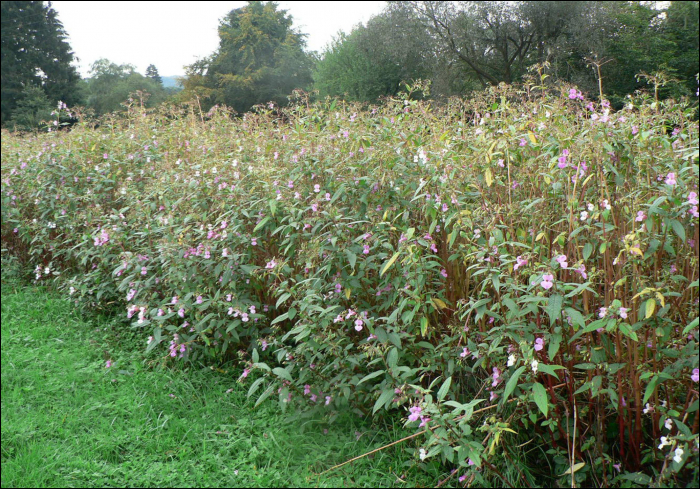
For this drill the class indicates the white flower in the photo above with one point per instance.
(664, 442)
(648, 408)
(422, 453)
(511, 360)
(679, 455)
(534, 365)
(584, 215)
(668, 423)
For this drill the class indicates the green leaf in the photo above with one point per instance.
(512, 382)
(352, 258)
(261, 224)
(371, 376)
(282, 373)
(283, 298)
(444, 389)
(587, 250)
(423, 326)
(554, 308)
(264, 395)
(386, 396)
(539, 393)
(678, 229)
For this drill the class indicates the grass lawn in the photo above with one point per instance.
(67, 420)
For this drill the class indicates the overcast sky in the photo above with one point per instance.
(173, 34)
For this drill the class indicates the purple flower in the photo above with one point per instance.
(539, 344)
(696, 375)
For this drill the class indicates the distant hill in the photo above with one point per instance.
(170, 81)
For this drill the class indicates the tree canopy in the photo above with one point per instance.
(35, 54)
(260, 59)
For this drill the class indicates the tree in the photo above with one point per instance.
(260, 59)
(373, 60)
(152, 73)
(110, 85)
(34, 53)
(32, 108)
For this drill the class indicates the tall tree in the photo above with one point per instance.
(260, 58)
(35, 53)
(152, 73)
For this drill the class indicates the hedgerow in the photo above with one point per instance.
(517, 272)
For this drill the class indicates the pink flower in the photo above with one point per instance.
(496, 376)
(358, 325)
(520, 262)
(271, 264)
(640, 216)
(328, 400)
(602, 312)
(181, 313)
(108, 364)
(307, 389)
(539, 344)
(696, 375)
(415, 413)
(582, 271)
(317, 188)
(443, 272)
(523, 142)
(693, 198)
(465, 352)
(199, 299)
(623, 312)
(547, 281)
(563, 262)
(671, 179)
(365, 250)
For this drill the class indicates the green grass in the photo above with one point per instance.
(67, 420)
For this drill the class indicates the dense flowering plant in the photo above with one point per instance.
(517, 267)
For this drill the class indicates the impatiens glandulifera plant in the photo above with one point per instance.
(516, 273)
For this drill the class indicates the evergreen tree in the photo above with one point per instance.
(260, 59)
(152, 73)
(34, 53)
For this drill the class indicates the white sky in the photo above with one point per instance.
(173, 34)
